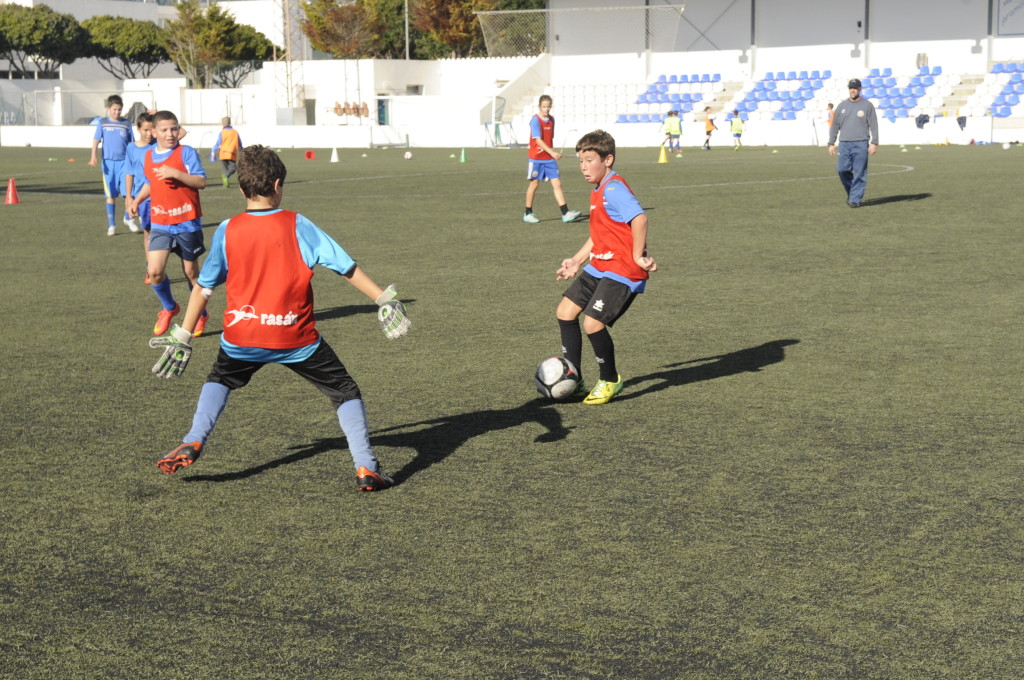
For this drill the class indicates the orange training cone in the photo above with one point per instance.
(662, 158)
(12, 193)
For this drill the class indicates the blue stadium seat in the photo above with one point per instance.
(661, 78)
(623, 118)
(759, 85)
(885, 103)
(936, 70)
(923, 71)
(999, 100)
(805, 84)
(778, 115)
(771, 86)
(761, 95)
(716, 77)
(694, 78)
(997, 68)
(705, 77)
(779, 75)
(787, 106)
(910, 102)
(773, 96)
(890, 114)
(815, 75)
(769, 76)
(791, 75)
(785, 95)
(803, 75)
(816, 84)
(686, 108)
(673, 97)
(826, 74)
(886, 72)
(915, 81)
(673, 79)
(917, 91)
(744, 117)
(645, 118)
(798, 106)
(874, 73)
(867, 92)
(902, 113)
(1016, 77)
(890, 82)
(634, 118)
(927, 81)
(790, 115)
(1013, 100)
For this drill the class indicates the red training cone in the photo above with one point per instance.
(12, 193)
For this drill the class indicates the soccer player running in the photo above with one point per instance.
(114, 133)
(856, 126)
(265, 258)
(174, 176)
(135, 177)
(617, 272)
(543, 162)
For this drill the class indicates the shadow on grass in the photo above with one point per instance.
(350, 310)
(894, 199)
(433, 440)
(752, 359)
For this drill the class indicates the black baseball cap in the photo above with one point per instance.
(854, 84)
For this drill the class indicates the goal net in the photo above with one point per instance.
(590, 30)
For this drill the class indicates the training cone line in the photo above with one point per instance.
(12, 193)
(334, 156)
(662, 158)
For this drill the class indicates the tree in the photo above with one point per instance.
(451, 28)
(247, 50)
(40, 36)
(126, 48)
(342, 30)
(205, 44)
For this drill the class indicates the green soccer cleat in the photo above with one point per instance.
(580, 391)
(604, 391)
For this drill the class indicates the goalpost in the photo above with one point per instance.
(529, 32)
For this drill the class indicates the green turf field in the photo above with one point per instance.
(814, 470)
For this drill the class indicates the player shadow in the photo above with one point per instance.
(433, 440)
(882, 200)
(349, 310)
(72, 188)
(749, 360)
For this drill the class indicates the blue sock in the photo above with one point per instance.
(212, 400)
(110, 214)
(352, 416)
(163, 291)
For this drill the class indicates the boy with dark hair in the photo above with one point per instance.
(135, 179)
(617, 272)
(265, 258)
(543, 162)
(709, 127)
(174, 176)
(114, 133)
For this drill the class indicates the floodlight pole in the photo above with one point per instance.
(407, 30)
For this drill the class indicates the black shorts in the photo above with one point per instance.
(603, 299)
(323, 368)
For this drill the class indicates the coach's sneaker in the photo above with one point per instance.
(131, 224)
(201, 324)
(163, 319)
(603, 392)
(530, 218)
(111, 230)
(571, 216)
(368, 480)
(183, 456)
(224, 180)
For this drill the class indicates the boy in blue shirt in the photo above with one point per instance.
(114, 133)
(135, 177)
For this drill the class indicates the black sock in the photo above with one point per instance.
(604, 351)
(572, 343)
(564, 208)
(529, 211)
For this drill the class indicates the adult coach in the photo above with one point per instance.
(856, 124)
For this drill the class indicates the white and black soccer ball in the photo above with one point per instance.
(408, 155)
(556, 378)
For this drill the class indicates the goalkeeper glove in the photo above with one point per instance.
(177, 352)
(392, 315)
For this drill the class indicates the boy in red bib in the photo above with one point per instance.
(617, 272)
(265, 258)
(174, 175)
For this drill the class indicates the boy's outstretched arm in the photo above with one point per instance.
(391, 313)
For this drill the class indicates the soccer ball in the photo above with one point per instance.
(408, 155)
(556, 378)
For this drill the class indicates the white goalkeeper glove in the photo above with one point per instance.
(177, 352)
(391, 315)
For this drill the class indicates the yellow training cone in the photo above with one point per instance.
(662, 158)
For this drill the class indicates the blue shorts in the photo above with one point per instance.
(113, 178)
(542, 170)
(187, 245)
(144, 214)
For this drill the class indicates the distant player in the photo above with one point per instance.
(736, 125)
(174, 177)
(135, 177)
(673, 129)
(265, 258)
(543, 162)
(114, 134)
(617, 271)
(709, 127)
(226, 149)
